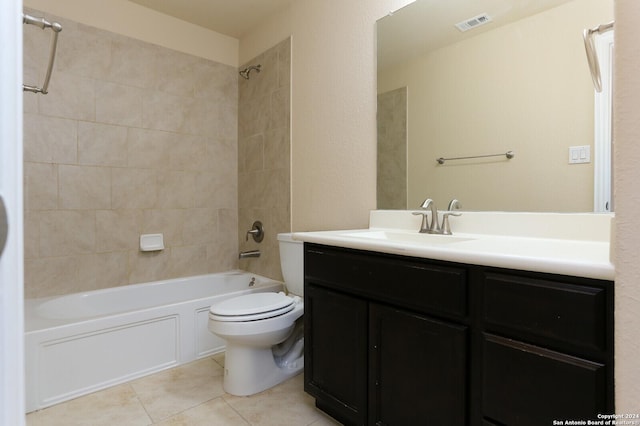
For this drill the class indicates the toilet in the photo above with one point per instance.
(264, 342)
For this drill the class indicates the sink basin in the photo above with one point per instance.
(407, 237)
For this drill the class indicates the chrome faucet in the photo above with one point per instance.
(434, 227)
(453, 205)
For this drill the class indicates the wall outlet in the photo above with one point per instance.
(579, 154)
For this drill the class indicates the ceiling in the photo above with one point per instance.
(426, 25)
(230, 17)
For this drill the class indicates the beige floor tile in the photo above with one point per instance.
(219, 358)
(282, 405)
(170, 392)
(215, 412)
(114, 406)
(325, 420)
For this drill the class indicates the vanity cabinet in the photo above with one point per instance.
(546, 348)
(386, 339)
(393, 340)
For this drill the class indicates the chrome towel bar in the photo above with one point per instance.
(508, 154)
(56, 28)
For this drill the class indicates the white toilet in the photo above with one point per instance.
(264, 343)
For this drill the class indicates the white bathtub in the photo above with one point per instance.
(79, 343)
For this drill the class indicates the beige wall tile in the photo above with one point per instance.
(69, 96)
(149, 148)
(264, 158)
(163, 111)
(103, 270)
(132, 62)
(67, 232)
(83, 52)
(50, 139)
(31, 235)
(225, 86)
(176, 189)
(169, 222)
(118, 230)
(200, 226)
(280, 109)
(102, 144)
(133, 138)
(148, 266)
(134, 188)
(188, 153)
(188, 260)
(84, 187)
(119, 104)
(49, 276)
(41, 186)
(277, 150)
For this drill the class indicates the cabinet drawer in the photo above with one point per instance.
(410, 283)
(527, 385)
(573, 315)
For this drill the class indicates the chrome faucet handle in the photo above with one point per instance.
(446, 228)
(256, 231)
(424, 226)
(454, 205)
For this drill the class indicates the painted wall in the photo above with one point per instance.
(626, 178)
(496, 92)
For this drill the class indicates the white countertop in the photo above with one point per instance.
(566, 244)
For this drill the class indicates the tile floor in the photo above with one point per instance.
(188, 395)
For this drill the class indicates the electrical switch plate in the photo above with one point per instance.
(579, 154)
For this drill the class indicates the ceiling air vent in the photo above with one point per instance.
(474, 22)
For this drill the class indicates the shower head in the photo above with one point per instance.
(245, 72)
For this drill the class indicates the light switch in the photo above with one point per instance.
(579, 154)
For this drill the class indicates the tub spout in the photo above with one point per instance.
(250, 253)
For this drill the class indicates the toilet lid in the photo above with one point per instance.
(250, 307)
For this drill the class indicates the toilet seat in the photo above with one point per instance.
(252, 307)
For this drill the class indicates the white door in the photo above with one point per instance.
(11, 257)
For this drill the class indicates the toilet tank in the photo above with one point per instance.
(292, 263)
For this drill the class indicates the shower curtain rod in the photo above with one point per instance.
(592, 56)
(56, 28)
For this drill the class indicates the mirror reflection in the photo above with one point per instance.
(517, 80)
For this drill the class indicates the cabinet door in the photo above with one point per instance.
(335, 359)
(528, 385)
(418, 369)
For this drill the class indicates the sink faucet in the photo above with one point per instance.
(434, 226)
(453, 205)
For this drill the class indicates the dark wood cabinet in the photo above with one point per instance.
(336, 353)
(393, 340)
(417, 369)
(528, 385)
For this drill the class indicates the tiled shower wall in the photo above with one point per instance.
(392, 149)
(132, 138)
(264, 156)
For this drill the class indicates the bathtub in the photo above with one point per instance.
(79, 343)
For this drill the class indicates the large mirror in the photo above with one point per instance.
(517, 80)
